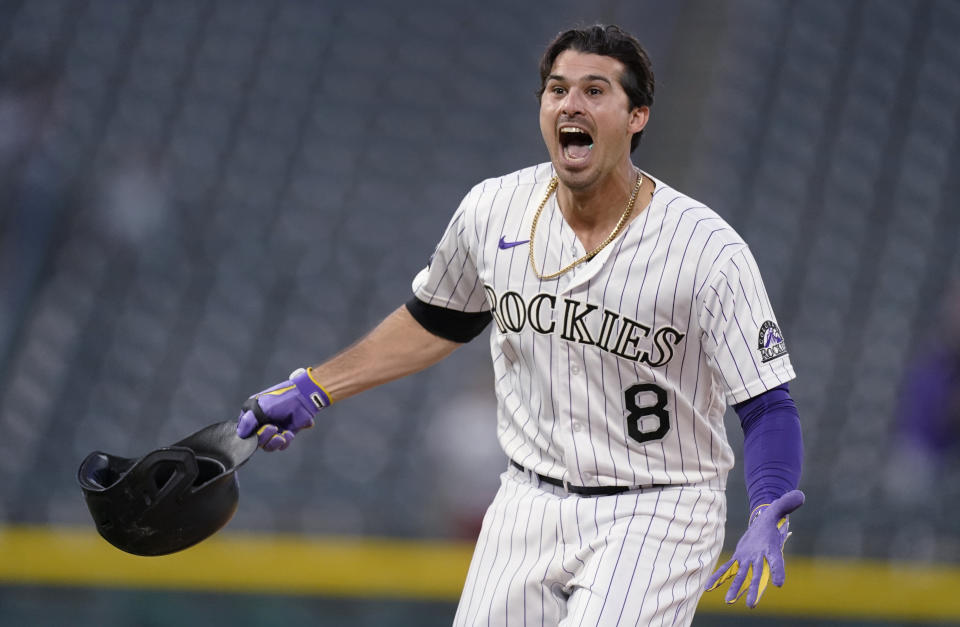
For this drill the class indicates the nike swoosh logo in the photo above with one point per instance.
(504, 244)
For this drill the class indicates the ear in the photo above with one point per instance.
(638, 119)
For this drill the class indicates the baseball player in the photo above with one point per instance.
(626, 317)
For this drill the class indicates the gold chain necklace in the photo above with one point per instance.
(593, 253)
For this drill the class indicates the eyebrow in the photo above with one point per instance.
(588, 78)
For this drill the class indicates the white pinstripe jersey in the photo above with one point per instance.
(619, 371)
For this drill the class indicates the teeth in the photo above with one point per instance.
(569, 129)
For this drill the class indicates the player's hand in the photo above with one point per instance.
(279, 412)
(758, 558)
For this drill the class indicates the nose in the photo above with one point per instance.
(572, 103)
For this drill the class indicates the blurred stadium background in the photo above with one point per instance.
(197, 196)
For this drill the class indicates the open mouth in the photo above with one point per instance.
(575, 143)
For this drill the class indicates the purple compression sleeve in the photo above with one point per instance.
(772, 445)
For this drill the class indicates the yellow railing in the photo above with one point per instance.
(431, 570)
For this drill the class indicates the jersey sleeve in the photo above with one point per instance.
(740, 331)
(450, 279)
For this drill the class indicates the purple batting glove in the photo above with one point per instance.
(279, 412)
(758, 558)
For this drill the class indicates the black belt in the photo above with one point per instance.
(585, 490)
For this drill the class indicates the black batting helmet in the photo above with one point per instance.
(171, 498)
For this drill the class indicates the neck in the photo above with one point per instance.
(593, 215)
(596, 205)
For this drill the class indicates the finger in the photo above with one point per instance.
(287, 437)
(787, 503)
(265, 434)
(722, 575)
(247, 424)
(279, 441)
(739, 584)
(274, 444)
(778, 572)
(759, 584)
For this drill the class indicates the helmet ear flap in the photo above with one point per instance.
(172, 497)
(99, 471)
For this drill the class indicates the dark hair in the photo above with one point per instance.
(609, 41)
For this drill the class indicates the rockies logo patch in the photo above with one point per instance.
(770, 343)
